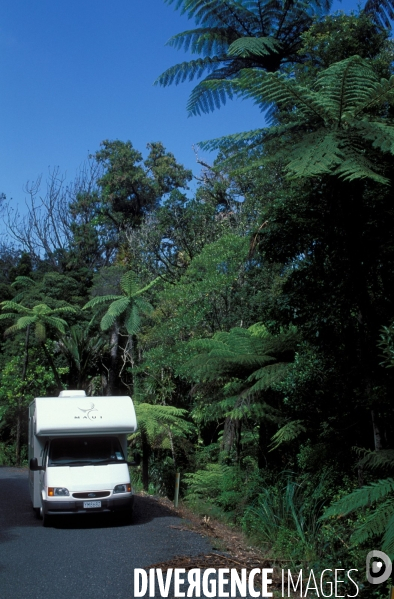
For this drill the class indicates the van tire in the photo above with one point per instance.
(46, 520)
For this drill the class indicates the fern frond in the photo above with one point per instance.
(381, 11)
(129, 283)
(11, 330)
(254, 46)
(380, 134)
(382, 91)
(356, 166)
(23, 281)
(316, 155)
(156, 420)
(346, 85)
(268, 376)
(287, 433)
(133, 321)
(117, 307)
(25, 321)
(143, 306)
(204, 40)
(101, 299)
(388, 537)
(375, 523)
(234, 140)
(210, 94)
(383, 458)
(40, 332)
(55, 322)
(361, 498)
(148, 286)
(10, 305)
(187, 71)
(107, 321)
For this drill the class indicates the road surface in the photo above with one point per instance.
(81, 557)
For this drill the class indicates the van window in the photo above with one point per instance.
(74, 451)
(44, 454)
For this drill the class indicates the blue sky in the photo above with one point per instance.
(77, 72)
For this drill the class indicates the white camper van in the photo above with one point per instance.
(78, 454)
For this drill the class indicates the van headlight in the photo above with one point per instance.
(122, 489)
(58, 492)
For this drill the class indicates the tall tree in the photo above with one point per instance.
(132, 187)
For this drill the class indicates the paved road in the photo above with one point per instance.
(82, 557)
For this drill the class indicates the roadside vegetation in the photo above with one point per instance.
(251, 320)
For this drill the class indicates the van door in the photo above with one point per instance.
(42, 473)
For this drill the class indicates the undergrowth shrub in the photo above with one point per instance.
(285, 519)
(218, 490)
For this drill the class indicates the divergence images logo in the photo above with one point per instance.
(88, 412)
(380, 570)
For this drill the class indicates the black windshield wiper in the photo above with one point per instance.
(73, 463)
(109, 461)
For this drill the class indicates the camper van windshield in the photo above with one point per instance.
(75, 451)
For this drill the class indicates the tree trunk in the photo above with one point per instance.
(20, 401)
(145, 460)
(172, 446)
(53, 367)
(113, 367)
(377, 433)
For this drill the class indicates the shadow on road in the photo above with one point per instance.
(16, 510)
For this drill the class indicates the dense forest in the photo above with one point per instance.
(248, 308)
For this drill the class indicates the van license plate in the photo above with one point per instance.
(87, 504)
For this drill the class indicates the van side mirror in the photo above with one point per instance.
(34, 467)
(136, 460)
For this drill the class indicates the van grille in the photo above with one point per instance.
(91, 494)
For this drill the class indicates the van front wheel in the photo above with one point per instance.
(46, 519)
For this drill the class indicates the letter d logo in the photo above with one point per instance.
(375, 571)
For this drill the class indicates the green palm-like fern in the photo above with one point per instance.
(234, 35)
(246, 362)
(379, 495)
(82, 351)
(332, 129)
(127, 307)
(386, 344)
(41, 318)
(158, 422)
(245, 34)
(290, 431)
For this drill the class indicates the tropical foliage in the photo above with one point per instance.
(251, 316)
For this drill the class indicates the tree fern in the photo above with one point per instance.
(290, 431)
(374, 460)
(361, 498)
(157, 421)
(242, 364)
(333, 127)
(235, 35)
(388, 537)
(375, 523)
(125, 308)
(252, 46)
(386, 345)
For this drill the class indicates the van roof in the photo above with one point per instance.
(68, 393)
(81, 415)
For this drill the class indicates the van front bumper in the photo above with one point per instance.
(114, 503)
